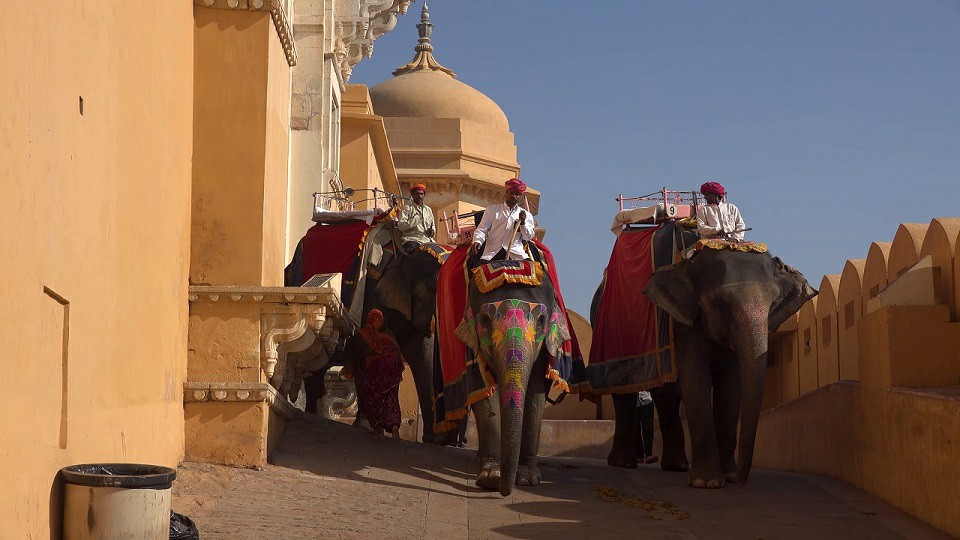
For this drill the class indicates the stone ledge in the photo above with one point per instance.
(281, 20)
(207, 392)
(276, 295)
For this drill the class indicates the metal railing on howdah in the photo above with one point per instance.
(343, 201)
(675, 204)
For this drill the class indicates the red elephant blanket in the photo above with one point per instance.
(632, 346)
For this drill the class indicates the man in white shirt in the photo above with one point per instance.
(718, 218)
(415, 221)
(498, 224)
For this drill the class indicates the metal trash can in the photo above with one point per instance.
(117, 500)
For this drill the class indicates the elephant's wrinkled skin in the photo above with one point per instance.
(407, 295)
(724, 304)
(518, 328)
(666, 399)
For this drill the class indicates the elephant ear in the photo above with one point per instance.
(671, 289)
(794, 292)
(395, 290)
(556, 332)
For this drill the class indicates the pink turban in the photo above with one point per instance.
(713, 187)
(515, 185)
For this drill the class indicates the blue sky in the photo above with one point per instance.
(828, 122)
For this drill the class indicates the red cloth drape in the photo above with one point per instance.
(331, 248)
(626, 325)
(451, 303)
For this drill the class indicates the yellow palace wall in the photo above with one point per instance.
(890, 425)
(95, 213)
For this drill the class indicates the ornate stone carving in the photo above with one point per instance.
(291, 318)
(204, 392)
(277, 12)
(355, 35)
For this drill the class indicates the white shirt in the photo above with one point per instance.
(712, 219)
(414, 222)
(496, 228)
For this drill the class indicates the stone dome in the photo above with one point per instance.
(425, 89)
(435, 94)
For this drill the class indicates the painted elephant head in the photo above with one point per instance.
(515, 330)
(733, 299)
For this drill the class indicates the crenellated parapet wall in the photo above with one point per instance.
(249, 348)
(869, 376)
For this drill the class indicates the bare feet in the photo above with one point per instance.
(651, 459)
(396, 433)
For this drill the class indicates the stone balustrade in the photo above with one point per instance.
(249, 348)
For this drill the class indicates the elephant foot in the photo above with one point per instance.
(489, 476)
(705, 479)
(528, 475)
(622, 459)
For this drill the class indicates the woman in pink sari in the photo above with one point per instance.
(382, 371)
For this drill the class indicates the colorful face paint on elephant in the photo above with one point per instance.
(516, 332)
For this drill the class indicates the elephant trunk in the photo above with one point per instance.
(753, 372)
(512, 398)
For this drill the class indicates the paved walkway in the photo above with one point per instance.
(330, 480)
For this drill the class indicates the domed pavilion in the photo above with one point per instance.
(446, 134)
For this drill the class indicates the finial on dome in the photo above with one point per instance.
(423, 60)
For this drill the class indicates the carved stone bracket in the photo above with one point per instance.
(281, 20)
(291, 319)
(356, 34)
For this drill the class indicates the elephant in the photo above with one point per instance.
(724, 303)
(666, 399)
(515, 329)
(406, 293)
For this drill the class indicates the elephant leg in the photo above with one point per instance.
(527, 472)
(418, 352)
(667, 401)
(487, 415)
(314, 389)
(624, 450)
(696, 385)
(726, 410)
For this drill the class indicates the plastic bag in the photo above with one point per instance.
(182, 527)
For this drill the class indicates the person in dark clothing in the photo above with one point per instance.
(645, 440)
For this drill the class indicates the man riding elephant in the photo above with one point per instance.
(703, 322)
(401, 285)
(415, 222)
(504, 340)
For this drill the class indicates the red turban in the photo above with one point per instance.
(713, 187)
(418, 186)
(515, 185)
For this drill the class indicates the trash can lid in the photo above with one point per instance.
(120, 475)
